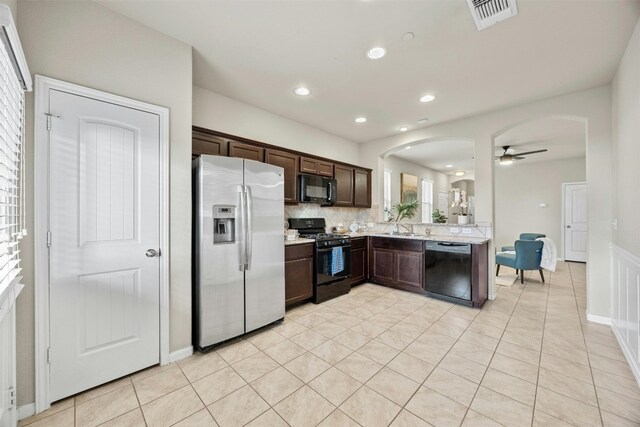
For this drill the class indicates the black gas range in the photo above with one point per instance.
(332, 258)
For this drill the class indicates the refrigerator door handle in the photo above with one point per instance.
(249, 228)
(241, 229)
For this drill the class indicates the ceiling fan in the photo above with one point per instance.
(507, 158)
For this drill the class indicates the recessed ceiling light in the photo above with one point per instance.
(376, 52)
(407, 148)
(403, 128)
(427, 98)
(448, 166)
(360, 119)
(459, 173)
(302, 91)
(425, 120)
(408, 36)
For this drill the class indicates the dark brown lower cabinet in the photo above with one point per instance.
(479, 274)
(359, 260)
(397, 263)
(298, 273)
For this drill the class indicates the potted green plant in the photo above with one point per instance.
(406, 210)
(438, 217)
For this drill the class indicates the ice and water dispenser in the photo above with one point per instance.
(224, 224)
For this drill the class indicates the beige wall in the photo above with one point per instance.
(87, 44)
(217, 112)
(591, 106)
(13, 5)
(398, 166)
(626, 147)
(519, 191)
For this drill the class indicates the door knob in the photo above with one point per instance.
(151, 253)
(568, 226)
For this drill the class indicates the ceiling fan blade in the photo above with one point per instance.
(531, 152)
(518, 158)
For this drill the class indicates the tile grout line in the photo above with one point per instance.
(595, 389)
(544, 326)
(489, 364)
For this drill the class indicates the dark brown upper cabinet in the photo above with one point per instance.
(202, 143)
(344, 183)
(325, 168)
(316, 166)
(246, 151)
(288, 162)
(353, 182)
(361, 188)
(308, 165)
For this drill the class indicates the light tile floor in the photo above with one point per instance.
(379, 357)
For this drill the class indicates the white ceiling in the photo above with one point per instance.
(437, 154)
(564, 139)
(258, 51)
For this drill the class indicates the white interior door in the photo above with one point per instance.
(575, 222)
(104, 215)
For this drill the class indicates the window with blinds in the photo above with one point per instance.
(427, 201)
(387, 194)
(12, 212)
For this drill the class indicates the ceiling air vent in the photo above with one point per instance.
(489, 12)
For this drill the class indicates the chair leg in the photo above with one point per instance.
(517, 272)
(522, 277)
(497, 269)
(542, 275)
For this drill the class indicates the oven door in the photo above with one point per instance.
(316, 189)
(332, 264)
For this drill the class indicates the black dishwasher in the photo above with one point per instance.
(448, 271)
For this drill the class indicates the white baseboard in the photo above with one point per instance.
(25, 411)
(633, 364)
(180, 354)
(599, 319)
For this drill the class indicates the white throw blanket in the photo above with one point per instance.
(549, 254)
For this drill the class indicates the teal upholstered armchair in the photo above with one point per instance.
(524, 236)
(527, 257)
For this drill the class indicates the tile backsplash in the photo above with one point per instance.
(345, 216)
(332, 215)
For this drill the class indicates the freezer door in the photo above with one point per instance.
(264, 275)
(219, 285)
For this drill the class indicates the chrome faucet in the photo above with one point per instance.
(408, 227)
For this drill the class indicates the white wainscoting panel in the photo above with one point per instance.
(625, 304)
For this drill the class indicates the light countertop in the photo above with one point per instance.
(298, 241)
(432, 238)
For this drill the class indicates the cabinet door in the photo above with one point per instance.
(246, 151)
(298, 280)
(344, 183)
(382, 266)
(325, 168)
(308, 165)
(202, 143)
(289, 162)
(409, 270)
(362, 188)
(358, 266)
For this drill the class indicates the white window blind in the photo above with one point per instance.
(387, 194)
(12, 212)
(427, 200)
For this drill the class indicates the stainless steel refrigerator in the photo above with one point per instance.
(239, 247)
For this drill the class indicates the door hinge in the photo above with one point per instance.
(49, 355)
(49, 117)
(48, 239)
(12, 397)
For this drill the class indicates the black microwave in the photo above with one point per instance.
(317, 189)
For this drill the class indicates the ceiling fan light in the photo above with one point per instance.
(506, 162)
